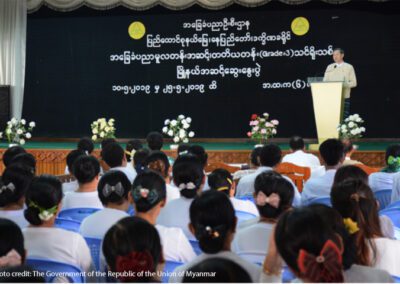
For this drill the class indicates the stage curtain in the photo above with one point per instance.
(68, 5)
(12, 50)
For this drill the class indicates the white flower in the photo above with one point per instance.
(95, 131)
(186, 126)
(182, 133)
(94, 137)
(22, 141)
(28, 135)
(274, 131)
(256, 128)
(170, 133)
(1, 135)
(189, 120)
(191, 134)
(166, 122)
(173, 122)
(275, 122)
(102, 135)
(107, 129)
(165, 129)
(265, 114)
(13, 120)
(351, 124)
(19, 131)
(269, 124)
(353, 132)
(23, 121)
(185, 140)
(181, 116)
(176, 139)
(344, 130)
(111, 120)
(344, 126)
(45, 215)
(358, 119)
(8, 131)
(362, 129)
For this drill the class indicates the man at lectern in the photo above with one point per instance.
(344, 72)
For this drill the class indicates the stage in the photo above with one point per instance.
(51, 156)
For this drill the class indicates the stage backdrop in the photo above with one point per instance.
(218, 67)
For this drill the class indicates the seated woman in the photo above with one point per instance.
(138, 162)
(314, 249)
(42, 239)
(357, 173)
(27, 160)
(133, 246)
(148, 197)
(13, 185)
(12, 250)
(355, 201)
(158, 162)
(86, 169)
(188, 175)
(221, 180)
(273, 196)
(112, 190)
(213, 222)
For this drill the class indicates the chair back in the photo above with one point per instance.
(384, 197)
(94, 245)
(196, 247)
(168, 269)
(218, 165)
(299, 175)
(393, 205)
(70, 273)
(67, 224)
(77, 214)
(246, 198)
(321, 200)
(393, 214)
(244, 216)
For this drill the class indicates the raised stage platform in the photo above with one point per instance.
(51, 156)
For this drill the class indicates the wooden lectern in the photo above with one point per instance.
(328, 101)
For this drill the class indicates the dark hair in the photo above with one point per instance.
(112, 178)
(304, 229)
(270, 155)
(16, 179)
(296, 143)
(350, 171)
(183, 149)
(45, 191)
(255, 156)
(26, 159)
(153, 182)
(220, 180)
(71, 158)
(392, 150)
(355, 200)
(11, 237)
(187, 169)
(158, 161)
(347, 146)
(155, 140)
(332, 151)
(213, 218)
(86, 168)
(133, 144)
(106, 142)
(219, 270)
(200, 153)
(339, 49)
(113, 155)
(271, 182)
(85, 144)
(139, 159)
(18, 274)
(10, 153)
(133, 237)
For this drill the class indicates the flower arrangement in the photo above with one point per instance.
(261, 128)
(101, 129)
(18, 131)
(178, 129)
(351, 127)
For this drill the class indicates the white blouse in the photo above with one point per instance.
(81, 200)
(17, 216)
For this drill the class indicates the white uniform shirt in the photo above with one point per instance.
(396, 187)
(302, 159)
(172, 193)
(59, 245)
(318, 187)
(97, 224)
(81, 200)
(379, 181)
(70, 186)
(176, 247)
(130, 172)
(387, 257)
(244, 205)
(176, 214)
(17, 216)
(253, 270)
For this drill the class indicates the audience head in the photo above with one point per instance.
(72, 157)
(114, 155)
(25, 159)
(155, 141)
(221, 180)
(148, 191)
(309, 246)
(355, 201)
(296, 143)
(139, 159)
(113, 188)
(131, 147)
(200, 153)
(133, 245)
(12, 250)
(86, 145)
(212, 221)
(255, 157)
(392, 158)
(188, 175)
(43, 200)
(270, 155)
(225, 271)
(348, 147)
(183, 149)
(86, 169)
(332, 152)
(107, 141)
(10, 153)
(273, 194)
(158, 162)
(350, 171)
(14, 184)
